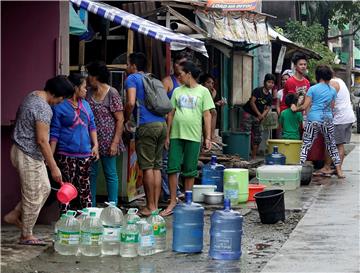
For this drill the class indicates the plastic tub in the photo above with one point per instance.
(279, 176)
(237, 143)
(198, 191)
(290, 148)
(253, 189)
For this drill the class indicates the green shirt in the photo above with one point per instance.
(290, 123)
(189, 104)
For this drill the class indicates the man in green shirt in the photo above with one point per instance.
(291, 122)
(192, 102)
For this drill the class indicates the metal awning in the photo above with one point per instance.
(143, 26)
(277, 37)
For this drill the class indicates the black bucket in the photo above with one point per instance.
(271, 206)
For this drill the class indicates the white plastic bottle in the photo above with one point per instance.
(112, 220)
(159, 227)
(132, 216)
(91, 236)
(129, 240)
(68, 234)
(146, 239)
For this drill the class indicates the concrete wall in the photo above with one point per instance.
(29, 33)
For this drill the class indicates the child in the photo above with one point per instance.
(290, 122)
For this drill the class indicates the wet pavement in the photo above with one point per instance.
(323, 200)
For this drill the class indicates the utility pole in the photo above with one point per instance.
(349, 65)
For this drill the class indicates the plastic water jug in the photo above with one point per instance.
(146, 244)
(83, 214)
(111, 218)
(129, 240)
(91, 236)
(159, 228)
(225, 233)
(188, 226)
(213, 173)
(236, 183)
(68, 234)
(132, 215)
(275, 158)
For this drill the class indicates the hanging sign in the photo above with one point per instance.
(233, 4)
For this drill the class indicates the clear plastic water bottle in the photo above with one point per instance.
(83, 214)
(68, 234)
(159, 227)
(231, 189)
(129, 240)
(213, 174)
(56, 235)
(146, 238)
(91, 236)
(132, 216)
(112, 219)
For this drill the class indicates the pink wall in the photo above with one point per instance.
(28, 53)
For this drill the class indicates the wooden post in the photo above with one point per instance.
(168, 51)
(81, 53)
(148, 46)
(130, 42)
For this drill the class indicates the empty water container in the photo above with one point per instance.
(275, 158)
(188, 226)
(225, 233)
(213, 173)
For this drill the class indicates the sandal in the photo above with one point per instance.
(166, 212)
(319, 173)
(32, 242)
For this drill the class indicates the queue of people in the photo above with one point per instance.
(85, 119)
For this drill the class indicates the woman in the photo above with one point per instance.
(73, 140)
(31, 147)
(321, 97)
(279, 96)
(192, 102)
(107, 107)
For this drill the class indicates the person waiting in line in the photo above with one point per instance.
(298, 83)
(255, 110)
(150, 133)
(106, 104)
(192, 103)
(208, 81)
(344, 117)
(320, 98)
(31, 147)
(170, 83)
(290, 122)
(73, 140)
(284, 77)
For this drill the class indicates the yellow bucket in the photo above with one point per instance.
(290, 148)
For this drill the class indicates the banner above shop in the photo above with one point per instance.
(244, 5)
(141, 25)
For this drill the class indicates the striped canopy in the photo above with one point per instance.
(141, 25)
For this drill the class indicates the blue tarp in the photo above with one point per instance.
(141, 25)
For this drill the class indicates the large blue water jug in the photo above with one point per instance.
(213, 174)
(275, 158)
(225, 233)
(188, 226)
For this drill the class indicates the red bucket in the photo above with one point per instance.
(255, 188)
(66, 193)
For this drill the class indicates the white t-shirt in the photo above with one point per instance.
(343, 111)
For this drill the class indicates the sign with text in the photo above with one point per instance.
(233, 4)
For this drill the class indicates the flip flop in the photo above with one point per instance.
(318, 173)
(166, 212)
(142, 214)
(32, 242)
(341, 176)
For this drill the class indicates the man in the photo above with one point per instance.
(170, 84)
(150, 132)
(255, 110)
(344, 117)
(296, 84)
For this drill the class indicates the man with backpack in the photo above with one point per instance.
(151, 126)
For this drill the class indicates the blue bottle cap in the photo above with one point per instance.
(227, 204)
(213, 159)
(188, 197)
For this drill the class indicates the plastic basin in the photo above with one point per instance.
(290, 148)
(253, 189)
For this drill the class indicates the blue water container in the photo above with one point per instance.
(275, 158)
(213, 174)
(188, 226)
(225, 233)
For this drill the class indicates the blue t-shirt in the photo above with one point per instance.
(321, 96)
(145, 116)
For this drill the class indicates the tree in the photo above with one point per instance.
(311, 38)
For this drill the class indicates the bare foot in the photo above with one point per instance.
(145, 212)
(169, 210)
(13, 217)
(31, 240)
(341, 175)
